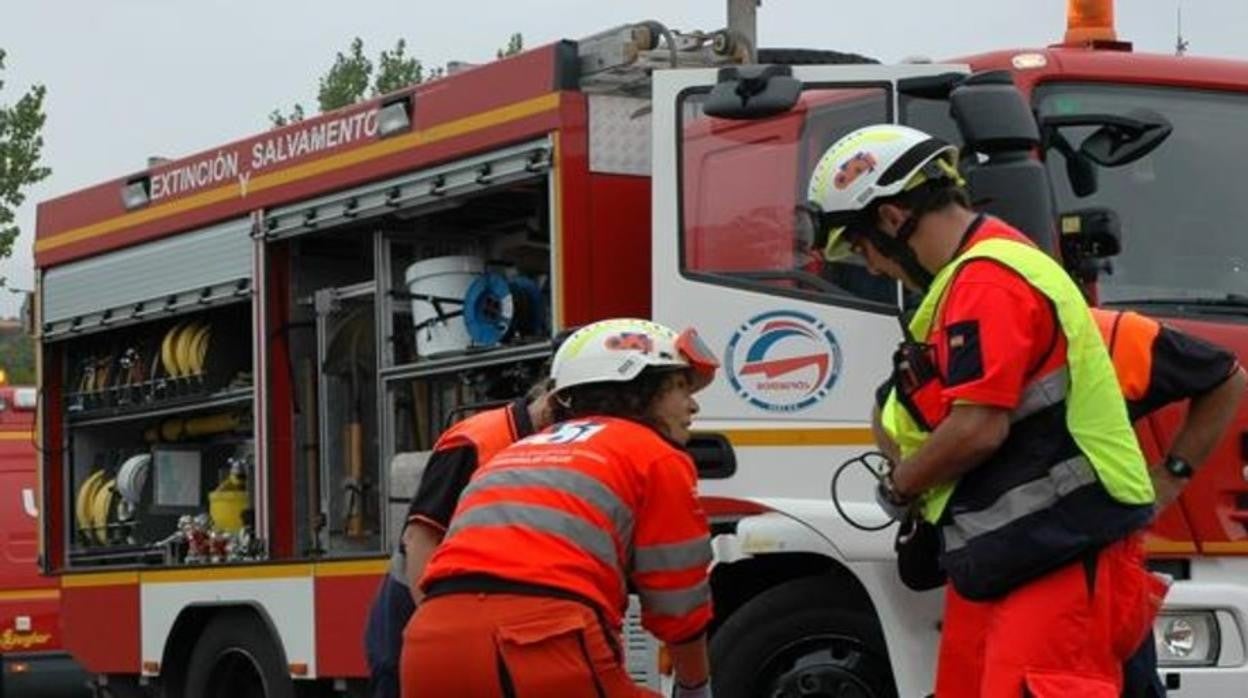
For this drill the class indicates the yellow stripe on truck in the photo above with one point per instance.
(353, 568)
(228, 573)
(834, 436)
(99, 579)
(30, 594)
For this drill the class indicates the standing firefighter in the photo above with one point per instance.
(1156, 366)
(1007, 423)
(455, 458)
(526, 595)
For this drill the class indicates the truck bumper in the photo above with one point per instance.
(42, 675)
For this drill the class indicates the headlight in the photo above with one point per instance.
(1187, 638)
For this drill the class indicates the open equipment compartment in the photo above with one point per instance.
(155, 345)
(411, 303)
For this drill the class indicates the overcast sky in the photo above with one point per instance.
(131, 78)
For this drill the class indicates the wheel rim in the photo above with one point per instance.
(834, 666)
(236, 674)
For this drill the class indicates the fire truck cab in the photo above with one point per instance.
(247, 353)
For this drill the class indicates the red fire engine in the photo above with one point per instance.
(247, 353)
(33, 660)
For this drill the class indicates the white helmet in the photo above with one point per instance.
(873, 162)
(618, 350)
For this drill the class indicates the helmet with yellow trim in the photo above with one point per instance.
(618, 350)
(868, 166)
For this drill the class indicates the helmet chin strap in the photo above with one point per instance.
(899, 250)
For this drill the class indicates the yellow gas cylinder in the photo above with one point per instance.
(228, 501)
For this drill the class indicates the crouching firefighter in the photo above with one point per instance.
(1008, 429)
(527, 594)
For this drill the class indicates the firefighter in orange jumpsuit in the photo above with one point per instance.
(1014, 439)
(526, 595)
(456, 455)
(1156, 366)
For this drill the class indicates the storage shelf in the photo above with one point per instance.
(160, 408)
(120, 555)
(468, 361)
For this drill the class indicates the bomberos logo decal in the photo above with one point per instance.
(782, 361)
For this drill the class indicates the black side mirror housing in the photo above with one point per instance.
(1123, 142)
(1000, 133)
(753, 92)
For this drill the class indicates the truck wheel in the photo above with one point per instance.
(792, 640)
(236, 657)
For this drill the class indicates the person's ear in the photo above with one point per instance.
(891, 217)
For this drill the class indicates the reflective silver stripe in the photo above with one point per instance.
(674, 602)
(574, 529)
(1027, 498)
(568, 481)
(673, 556)
(953, 539)
(1046, 392)
(398, 567)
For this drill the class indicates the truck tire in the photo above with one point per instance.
(237, 657)
(809, 56)
(793, 640)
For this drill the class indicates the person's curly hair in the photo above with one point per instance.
(631, 400)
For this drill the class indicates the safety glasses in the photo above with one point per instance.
(837, 235)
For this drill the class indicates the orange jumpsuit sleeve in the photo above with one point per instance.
(672, 552)
(1129, 337)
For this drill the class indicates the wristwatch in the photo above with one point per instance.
(1177, 467)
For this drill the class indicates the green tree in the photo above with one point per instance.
(21, 145)
(515, 44)
(396, 70)
(279, 119)
(17, 356)
(350, 79)
(354, 77)
(347, 79)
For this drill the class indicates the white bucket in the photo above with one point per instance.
(448, 279)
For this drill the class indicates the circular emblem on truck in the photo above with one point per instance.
(782, 361)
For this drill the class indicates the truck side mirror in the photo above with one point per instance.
(1118, 140)
(1000, 134)
(992, 115)
(1080, 170)
(1124, 140)
(753, 92)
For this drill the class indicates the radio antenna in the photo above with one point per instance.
(1180, 44)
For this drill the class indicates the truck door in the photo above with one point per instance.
(804, 341)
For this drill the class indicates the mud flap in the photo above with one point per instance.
(1045, 684)
(546, 656)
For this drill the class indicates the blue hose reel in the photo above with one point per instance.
(497, 307)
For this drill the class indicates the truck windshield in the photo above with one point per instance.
(1182, 207)
(741, 184)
